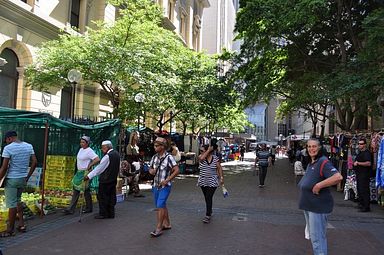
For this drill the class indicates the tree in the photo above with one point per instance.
(307, 52)
(134, 55)
(107, 55)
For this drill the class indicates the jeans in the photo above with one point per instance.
(208, 195)
(317, 226)
(263, 174)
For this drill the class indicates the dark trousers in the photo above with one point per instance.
(75, 198)
(208, 195)
(344, 173)
(362, 178)
(107, 199)
(263, 174)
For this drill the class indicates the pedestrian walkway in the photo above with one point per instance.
(250, 221)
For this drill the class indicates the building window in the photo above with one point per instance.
(65, 106)
(8, 79)
(183, 24)
(75, 13)
(282, 129)
(171, 10)
(30, 2)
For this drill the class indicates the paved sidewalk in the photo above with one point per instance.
(250, 221)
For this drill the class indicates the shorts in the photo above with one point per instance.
(161, 195)
(12, 189)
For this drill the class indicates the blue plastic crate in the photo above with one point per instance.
(119, 198)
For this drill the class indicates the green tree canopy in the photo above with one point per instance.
(136, 54)
(311, 53)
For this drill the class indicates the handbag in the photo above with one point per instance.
(225, 191)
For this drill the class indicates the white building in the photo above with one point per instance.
(24, 25)
(218, 26)
(185, 18)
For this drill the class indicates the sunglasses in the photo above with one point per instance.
(361, 143)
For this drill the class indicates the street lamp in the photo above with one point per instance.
(74, 76)
(139, 98)
(170, 121)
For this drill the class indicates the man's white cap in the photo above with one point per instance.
(106, 142)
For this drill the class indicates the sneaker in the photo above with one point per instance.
(207, 219)
(261, 186)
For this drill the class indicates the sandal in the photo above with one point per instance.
(206, 219)
(22, 229)
(7, 234)
(167, 228)
(156, 233)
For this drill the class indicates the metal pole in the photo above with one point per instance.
(138, 119)
(73, 101)
(44, 167)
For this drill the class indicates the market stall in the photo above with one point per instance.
(56, 143)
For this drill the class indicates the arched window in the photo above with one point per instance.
(8, 79)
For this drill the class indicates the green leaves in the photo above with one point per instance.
(134, 55)
(311, 53)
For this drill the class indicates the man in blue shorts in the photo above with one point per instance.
(16, 158)
(164, 167)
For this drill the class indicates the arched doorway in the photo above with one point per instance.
(8, 79)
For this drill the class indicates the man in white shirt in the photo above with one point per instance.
(108, 170)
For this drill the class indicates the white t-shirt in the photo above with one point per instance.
(84, 157)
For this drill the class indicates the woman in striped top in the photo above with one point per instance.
(211, 175)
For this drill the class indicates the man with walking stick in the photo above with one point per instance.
(108, 169)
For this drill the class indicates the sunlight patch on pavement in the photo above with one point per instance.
(240, 217)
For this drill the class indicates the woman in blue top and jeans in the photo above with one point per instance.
(315, 197)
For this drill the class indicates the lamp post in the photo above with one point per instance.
(74, 76)
(170, 122)
(139, 98)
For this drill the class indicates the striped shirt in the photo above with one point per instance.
(19, 154)
(208, 173)
(262, 157)
(163, 166)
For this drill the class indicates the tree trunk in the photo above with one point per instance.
(160, 123)
(314, 123)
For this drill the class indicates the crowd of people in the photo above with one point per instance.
(315, 196)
